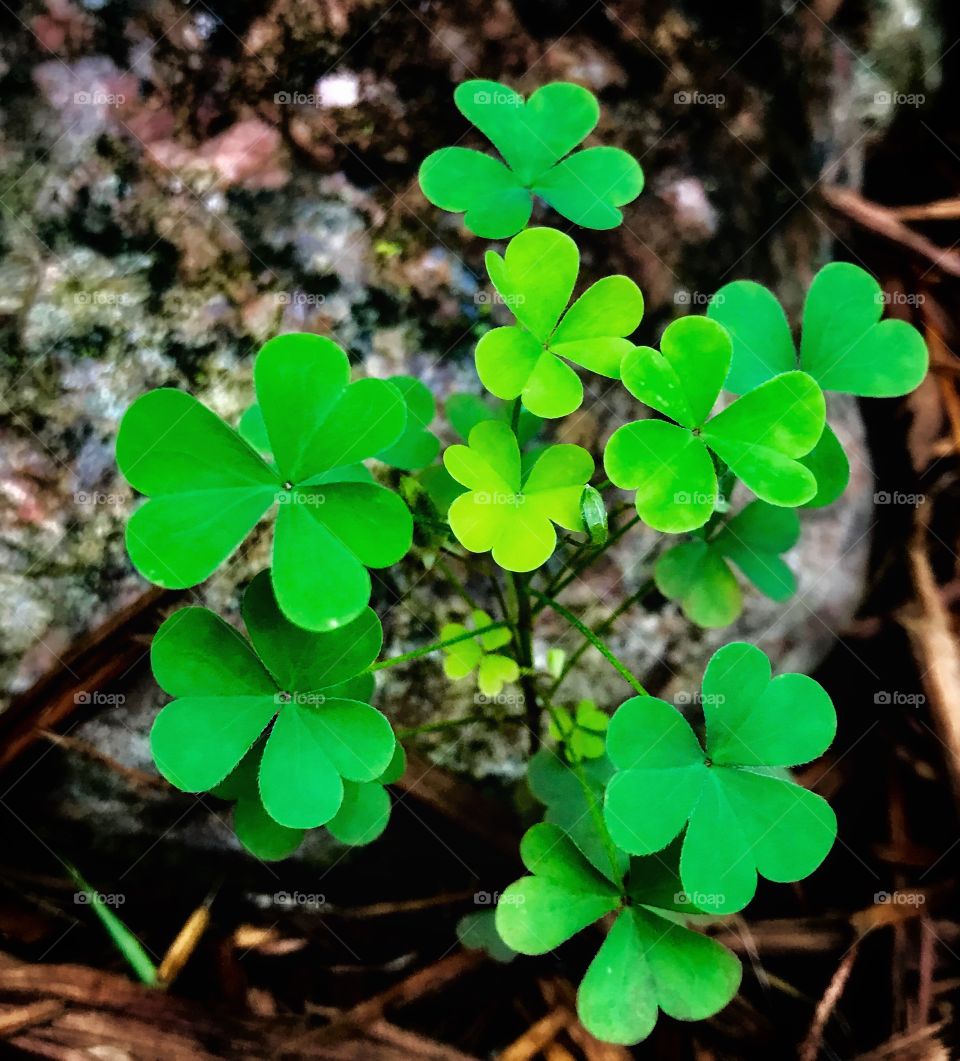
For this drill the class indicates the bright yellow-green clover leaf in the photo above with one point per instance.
(535, 279)
(741, 815)
(533, 136)
(510, 513)
(759, 437)
(581, 733)
(207, 487)
(479, 653)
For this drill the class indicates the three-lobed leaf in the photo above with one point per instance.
(533, 137)
(535, 278)
(742, 817)
(207, 487)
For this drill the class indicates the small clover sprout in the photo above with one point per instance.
(759, 437)
(532, 136)
(580, 733)
(311, 686)
(535, 278)
(508, 512)
(208, 488)
(493, 670)
(742, 815)
(648, 961)
(698, 575)
(844, 345)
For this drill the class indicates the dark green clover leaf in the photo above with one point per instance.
(759, 437)
(532, 136)
(742, 816)
(698, 575)
(478, 931)
(573, 796)
(208, 488)
(417, 446)
(648, 961)
(308, 685)
(507, 511)
(479, 653)
(535, 279)
(844, 345)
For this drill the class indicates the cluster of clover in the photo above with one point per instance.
(649, 827)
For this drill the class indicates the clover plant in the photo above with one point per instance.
(656, 821)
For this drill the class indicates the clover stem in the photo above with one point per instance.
(417, 653)
(461, 589)
(606, 625)
(556, 586)
(594, 640)
(524, 642)
(452, 723)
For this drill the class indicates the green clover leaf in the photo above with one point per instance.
(417, 446)
(573, 796)
(228, 691)
(208, 488)
(698, 575)
(758, 437)
(742, 817)
(535, 279)
(478, 931)
(532, 136)
(362, 817)
(508, 512)
(648, 961)
(844, 345)
(460, 660)
(581, 733)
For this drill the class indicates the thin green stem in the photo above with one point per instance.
(452, 723)
(461, 589)
(523, 636)
(558, 586)
(602, 629)
(594, 640)
(418, 653)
